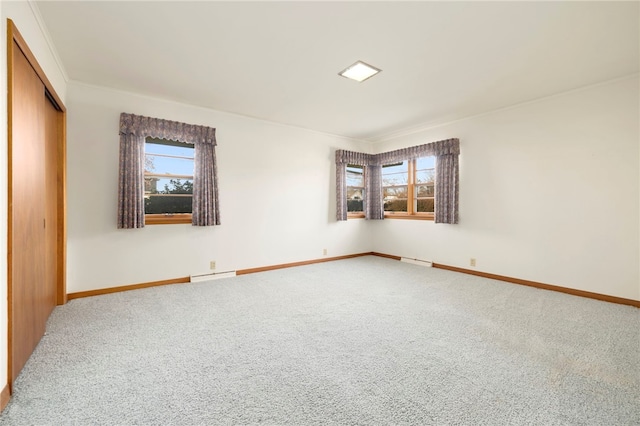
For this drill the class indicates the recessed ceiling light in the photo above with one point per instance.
(360, 71)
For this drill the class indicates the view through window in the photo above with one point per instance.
(355, 190)
(168, 177)
(408, 187)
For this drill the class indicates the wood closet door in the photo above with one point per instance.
(51, 209)
(32, 294)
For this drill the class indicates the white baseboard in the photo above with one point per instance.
(420, 262)
(211, 276)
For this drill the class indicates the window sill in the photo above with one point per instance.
(409, 216)
(355, 216)
(167, 219)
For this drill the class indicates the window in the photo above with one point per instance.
(395, 187)
(355, 190)
(168, 181)
(408, 188)
(402, 183)
(163, 162)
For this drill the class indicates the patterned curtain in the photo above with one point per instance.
(375, 207)
(133, 131)
(446, 153)
(343, 158)
(131, 124)
(341, 191)
(205, 187)
(131, 184)
(446, 207)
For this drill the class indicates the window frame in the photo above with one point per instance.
(169, 218)
(357, 215)
(412, 200)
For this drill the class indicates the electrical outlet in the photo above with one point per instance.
(212, 265)
(472, 262)
(324, 252)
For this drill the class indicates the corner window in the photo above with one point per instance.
(408, 189)
(168, 181)
(355, 190)
(395, 187)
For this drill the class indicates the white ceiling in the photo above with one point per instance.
(279, 61)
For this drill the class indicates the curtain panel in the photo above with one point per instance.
(205, 188)
(446, 153)
(373, 193)
(343, 158)
(134, 129)
(446, 208)
(131, 180)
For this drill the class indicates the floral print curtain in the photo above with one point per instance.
(131, 182)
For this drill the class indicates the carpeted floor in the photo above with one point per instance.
(363, 341)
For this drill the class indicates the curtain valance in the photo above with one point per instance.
(352, 157)
(138, 125)
(444, 147)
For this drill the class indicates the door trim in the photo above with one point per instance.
(13, 35)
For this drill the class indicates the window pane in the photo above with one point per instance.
(167, 157)
(426, 163)
(155, 185)
(395, 168)
(355, 175)
(425, 176)
(355, 206)
(425, 170)
(395, 179)
(394, 192)
(167, 204)
(395, 205)
(395, 174)
(425, 190)
(175, 148)
(355, 193)
(395, 199)
(425, 206)
(168, 194)
(168, 165)
(355, 199)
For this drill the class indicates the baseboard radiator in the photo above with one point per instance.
(211, 276)
(420, 262)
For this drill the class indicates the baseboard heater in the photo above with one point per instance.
(211, 276)
(420, 262)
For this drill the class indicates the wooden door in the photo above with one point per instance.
(31, 303)
(37, 232)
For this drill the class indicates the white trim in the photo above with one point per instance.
(420, 262)
(211, 276)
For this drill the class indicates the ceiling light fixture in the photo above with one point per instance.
(360, 71)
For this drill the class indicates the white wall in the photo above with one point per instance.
(276, 186)
(549, 192)
(26, 22)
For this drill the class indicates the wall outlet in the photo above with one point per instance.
(324, 252)
(212, 265)
(472, 261)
